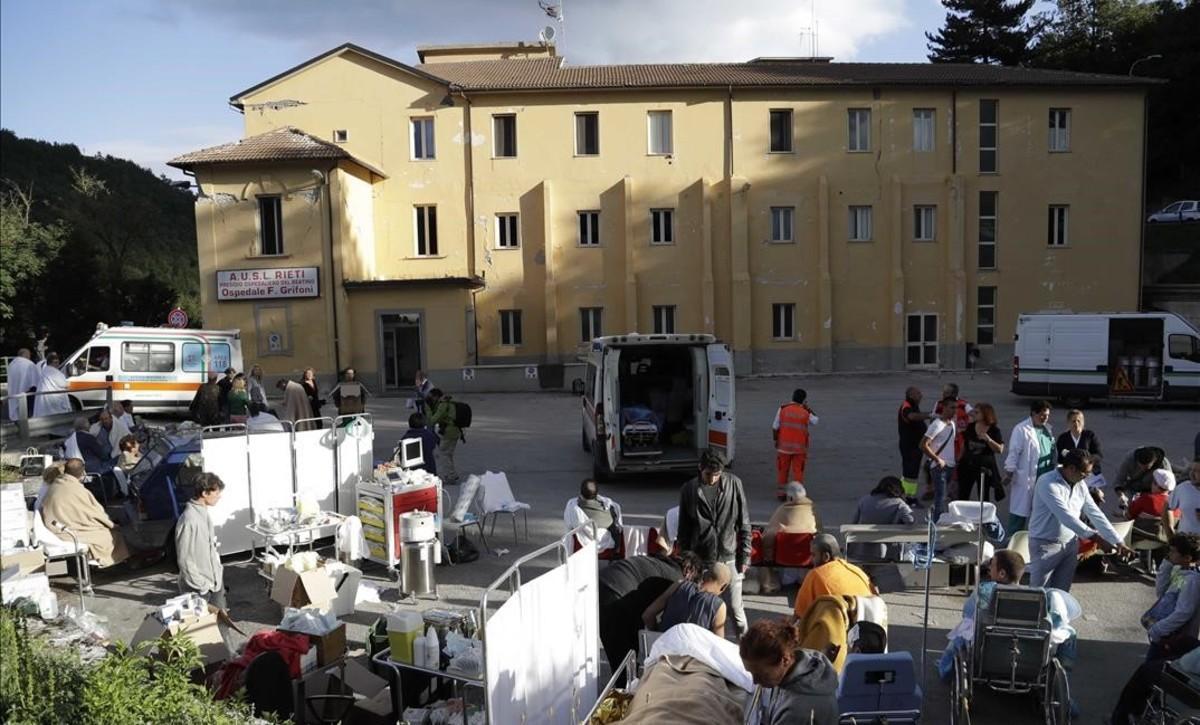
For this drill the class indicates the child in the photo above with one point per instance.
(1006, 567)
(1177, 611)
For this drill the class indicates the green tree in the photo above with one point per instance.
(983, 31)
(26, 247)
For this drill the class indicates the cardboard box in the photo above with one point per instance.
(376, 710)
(331, 646)
(345, 580)
(27, 561)
(32, 586)
(314, 587)
(203, 630)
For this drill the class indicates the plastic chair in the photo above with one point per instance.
(1020, 544)
(881, 687)
(498, 499)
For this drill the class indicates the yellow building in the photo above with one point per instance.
(486, 212)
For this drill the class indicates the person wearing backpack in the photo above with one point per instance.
(446, 419)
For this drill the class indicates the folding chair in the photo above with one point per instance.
(471, 514)
(58, 550)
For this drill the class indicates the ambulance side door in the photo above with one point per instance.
(721, 399)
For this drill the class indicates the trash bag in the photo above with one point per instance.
(462, 551)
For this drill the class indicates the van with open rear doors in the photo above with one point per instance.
(654, 402)
(1142, 356)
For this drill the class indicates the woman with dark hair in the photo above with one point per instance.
(803, 683)
(309, 381)
(982, 442)
(883, 505)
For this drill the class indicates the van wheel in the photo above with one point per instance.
(75, 404)
(583, 440)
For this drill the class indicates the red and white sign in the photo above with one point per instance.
(262, 284)
(177, 318)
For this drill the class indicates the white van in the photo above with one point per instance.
(1134, 355)
(654, 402)
(158, 368)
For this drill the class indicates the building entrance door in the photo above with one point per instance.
(400, 353)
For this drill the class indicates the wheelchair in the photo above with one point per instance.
(1012, 653)
(1173, 701)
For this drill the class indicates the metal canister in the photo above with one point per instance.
(1139, 371)
(1153, 371)
(416, 567)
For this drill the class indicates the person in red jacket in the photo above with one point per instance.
(790, 431)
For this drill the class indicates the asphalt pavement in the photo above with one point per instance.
(535, 440)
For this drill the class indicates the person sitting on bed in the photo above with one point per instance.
(696, 602)
(803, 685)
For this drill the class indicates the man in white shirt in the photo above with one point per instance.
(1055, 527)
(938, 446)
(23, 377)
(1186, 500)
(260, 421)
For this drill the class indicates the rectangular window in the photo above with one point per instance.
(341, 135)
(422, 139)
(1060, 129)
(783, 321)
(425, 222)
(587, 134)
(510, 327)
(860, 129)
(924, 129)
(922, 340)
(860, 224)
(1056, 225)
(987, 229)
(924, 223)
(781, 223)
(270, 225)
(589, 228)
(148, 357)
(590, 323)
(194, 357)
(658, 125)
(664, 319)
(781, 131)
(504, 136)
(508, 231)
(662, 226)
(989, 113)
(985, 322)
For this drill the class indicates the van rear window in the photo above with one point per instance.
(148, 357)
(196, 359)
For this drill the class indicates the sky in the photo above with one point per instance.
(148, 80)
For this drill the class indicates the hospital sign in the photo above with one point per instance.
(261, 284)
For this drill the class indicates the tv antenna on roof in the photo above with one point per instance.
(547, 35)
(812, 32)
(551, 35)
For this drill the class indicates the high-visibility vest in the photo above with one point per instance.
(793, 428)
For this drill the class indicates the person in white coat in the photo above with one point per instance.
(1031, 454)
(22, 378)
(52, 380)
(112, 428)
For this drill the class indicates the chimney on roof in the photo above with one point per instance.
(790, 59)
(460, 52)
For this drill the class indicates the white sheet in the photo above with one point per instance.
(355, 457)
(696, 641)
(315, 473)
(226, 457)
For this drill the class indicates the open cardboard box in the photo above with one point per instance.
(370, 692)
(204, 631)
(331, 587)
(331, 646)
(26, 561)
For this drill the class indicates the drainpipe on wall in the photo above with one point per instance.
(729, 134)
(954, 131)
(326, 181)
(469, 174)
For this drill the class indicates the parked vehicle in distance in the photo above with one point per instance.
(1179, 212)
(654, 402)
(1118, 356)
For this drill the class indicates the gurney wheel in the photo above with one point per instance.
(960, 693)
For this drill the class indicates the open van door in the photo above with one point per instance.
(608, 423)
(720, 399)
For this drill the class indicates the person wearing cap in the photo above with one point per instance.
(1146, 510)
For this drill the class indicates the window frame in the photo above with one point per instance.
(854, 126)
(425, 231)
(277, 224)
(923, 342)
(994, 124)
(783, 320)
(508, 230)
(787, 216)
(853, 228)
(589, 222)
(994, 217)
(341, 135)
(920, 233)
(1058, 226)
(580, 134)
(206, 356)
(670, 136)
(980, 306)
(788, 130)
(660, 316)
(416, 125)
(511, 328)
(1193, 356)
(591, 320)
(1059, 135)
(499, 119)
(150, 356)
(927, 117)
(655, 227)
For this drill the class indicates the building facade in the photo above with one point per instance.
(493, 208)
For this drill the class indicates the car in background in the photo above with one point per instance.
(1180, 211)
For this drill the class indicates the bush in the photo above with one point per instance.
(41, 684)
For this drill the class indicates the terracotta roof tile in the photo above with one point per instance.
(282, 144)
(552, 74)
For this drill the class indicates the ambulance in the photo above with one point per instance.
(158, 368)
(653, 403)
